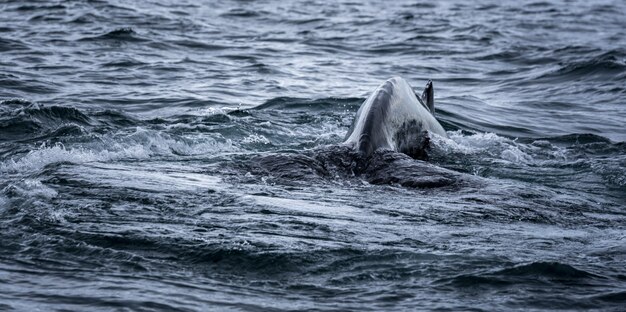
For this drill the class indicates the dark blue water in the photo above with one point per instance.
(182, 156)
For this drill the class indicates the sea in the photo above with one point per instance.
(184, 155)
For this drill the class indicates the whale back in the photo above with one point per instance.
(393, 118)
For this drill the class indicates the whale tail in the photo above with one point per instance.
(428, 96)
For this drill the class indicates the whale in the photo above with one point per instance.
(395, 118)
(387, 143)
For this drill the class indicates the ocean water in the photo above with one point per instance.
(185, 156)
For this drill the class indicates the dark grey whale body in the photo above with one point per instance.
(394, 118)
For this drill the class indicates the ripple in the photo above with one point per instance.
(125, 34)
(199, 45)
(12, 45)
(243, 13)
(609, 64)
(552, 270)
(130, 62)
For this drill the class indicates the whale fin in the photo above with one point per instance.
(428, 96)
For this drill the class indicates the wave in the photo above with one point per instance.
(127, 62)
(199, 45)
(124, 34)
(141, 144)
(552, 270)
(532, 273)
(579, 138)
(87, 18)
(21, 119)
(311, 105)
(12, 45)
(525, 150)
(574, 157)
(13, 82)
(607, 65)
(488, 144)
(236, 255)
(243, 13)
(614, 297)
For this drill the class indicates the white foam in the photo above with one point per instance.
(158, 143)
(515, 155)
(30, 192)
(256, 138)
(468, 144)
(149, 178)
(32, 195)
(489, 144)
(326, 132)
(45, 155)
(31, 188)
(210, 111)
(141, 144)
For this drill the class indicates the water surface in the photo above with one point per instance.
(182, 156)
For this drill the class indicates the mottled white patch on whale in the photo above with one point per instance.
(394, 118)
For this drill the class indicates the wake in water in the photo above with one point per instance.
(231, 193)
